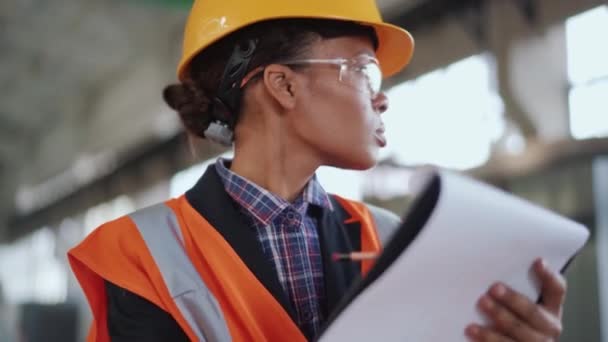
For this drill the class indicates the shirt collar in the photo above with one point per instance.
(263, 205)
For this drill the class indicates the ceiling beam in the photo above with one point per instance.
(137, 170)
(539, 156)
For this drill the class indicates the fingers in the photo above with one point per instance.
(484, 334)
(507, 321)
(553, 288)
(514, 317)
(533, 315)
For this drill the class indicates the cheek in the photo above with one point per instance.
(344, 110)
(338, 122)
(345, 137)
(354, 117)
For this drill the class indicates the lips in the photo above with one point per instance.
(380, 138)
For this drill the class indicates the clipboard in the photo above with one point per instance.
(425, 284)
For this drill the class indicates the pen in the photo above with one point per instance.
(354, 256)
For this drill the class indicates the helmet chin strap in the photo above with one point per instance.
(225, 106)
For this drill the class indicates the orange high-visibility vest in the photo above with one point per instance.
(173, 257)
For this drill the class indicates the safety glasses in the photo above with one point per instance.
(361, 71)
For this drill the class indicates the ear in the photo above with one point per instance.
(281, 83)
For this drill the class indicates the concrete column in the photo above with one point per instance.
(531, 69)
(600, 182)
(8, 187)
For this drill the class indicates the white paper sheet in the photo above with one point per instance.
(477, 235)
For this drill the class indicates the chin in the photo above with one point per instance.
(361, 161)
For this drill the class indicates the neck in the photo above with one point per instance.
(270, 161)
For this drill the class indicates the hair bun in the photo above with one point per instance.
(181, 96)
(191, 104)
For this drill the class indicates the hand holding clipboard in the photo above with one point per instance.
(459, 237)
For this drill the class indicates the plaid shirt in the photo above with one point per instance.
(289, 240)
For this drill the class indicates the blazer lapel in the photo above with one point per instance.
(209, 198)
(338, 233)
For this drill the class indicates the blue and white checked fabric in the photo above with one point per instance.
(289, 240)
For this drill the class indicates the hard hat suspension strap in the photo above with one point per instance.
(227, 101)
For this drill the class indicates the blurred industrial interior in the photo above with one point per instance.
(512, 92)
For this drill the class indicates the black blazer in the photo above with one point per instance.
(132, 318)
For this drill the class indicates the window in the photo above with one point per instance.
(449, 117)
(30, 269)
(588, 73)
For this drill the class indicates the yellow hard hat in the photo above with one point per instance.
(210, 20)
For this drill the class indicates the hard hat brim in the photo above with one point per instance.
(395, 46)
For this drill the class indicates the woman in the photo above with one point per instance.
(246, 253)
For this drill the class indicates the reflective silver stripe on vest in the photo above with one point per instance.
(159, 228)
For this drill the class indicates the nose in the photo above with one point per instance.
(380, 102)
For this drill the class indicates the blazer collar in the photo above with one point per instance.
(209, 198)
(338, 232)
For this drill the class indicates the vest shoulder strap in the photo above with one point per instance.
(160, 230)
